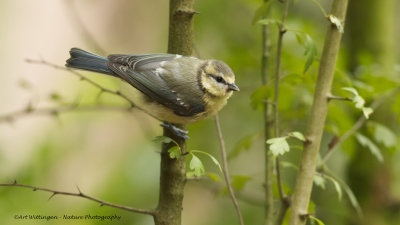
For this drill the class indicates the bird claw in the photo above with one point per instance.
(177, 131)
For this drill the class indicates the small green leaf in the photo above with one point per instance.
(310, 51)
(55, 97)
(366, 142)
(197, 166)
(359, 102)
(214, 177)
(174, 152)
(162, 139)
(384, 135)
(352, 90)
(335, 21)
(338, 188)
(297, 135)
(367, 111)
(260, 12)
(239, 181)
(289, 165)
(278, 146)
(215, 161)
(319, 181)
(317, 220)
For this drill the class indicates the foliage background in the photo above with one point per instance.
(108, 154)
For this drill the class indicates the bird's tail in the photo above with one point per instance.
(81, 59)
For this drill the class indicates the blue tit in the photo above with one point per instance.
(172, 88)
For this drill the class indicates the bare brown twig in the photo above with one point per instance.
(81, 195)
(226, 170)
(55, 111)
(101, 88)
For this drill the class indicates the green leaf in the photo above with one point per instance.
(215, 161)
(244, 144)
(174, 152)
(278, 146)
(55, 97)
(297, 135)
(335, 21)
(352, 90)
(367, 111)
(366, 142)
(162, 139)
(214, 176)
(359, 102)
(336, 185)
(319, 181)
(310, 51)
(259, 96)
(289, 165)
(196, 166)
(239, 181)
(384, 135)
(317, 220)
(260, 12)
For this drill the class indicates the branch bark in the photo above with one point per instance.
(81, 195)
(173, 171)
(302, 192)
(226, 171)
(268, 159)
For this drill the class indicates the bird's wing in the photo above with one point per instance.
(143, 73)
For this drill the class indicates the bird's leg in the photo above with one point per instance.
(179, 132)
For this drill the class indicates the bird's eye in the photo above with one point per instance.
(219, 79)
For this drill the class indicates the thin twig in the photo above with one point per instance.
(282, 30)
(360, 122)
(79, 194)
(226, 171)
(268, 158)
(54, 111)
(102, 89)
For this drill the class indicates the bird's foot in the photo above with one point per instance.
(179, 132)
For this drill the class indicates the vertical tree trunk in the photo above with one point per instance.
(316, 123)
(269, 161)
(173, 171)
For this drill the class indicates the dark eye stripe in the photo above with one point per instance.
(217, 78)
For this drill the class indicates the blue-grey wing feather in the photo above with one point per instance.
(139, 71)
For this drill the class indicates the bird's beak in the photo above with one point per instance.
(233, 87)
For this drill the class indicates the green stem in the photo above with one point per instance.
(315, 127)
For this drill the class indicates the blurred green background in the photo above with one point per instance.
(109, 153)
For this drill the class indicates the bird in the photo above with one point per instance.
(172, 88)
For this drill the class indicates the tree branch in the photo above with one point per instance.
(173, 171)
(226, 170)
(315, 127)
(268, 158)
(54, 111)
(282, 30)
(360, 122)
(80, 76)
(81, 195)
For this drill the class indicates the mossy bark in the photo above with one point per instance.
(173, 171)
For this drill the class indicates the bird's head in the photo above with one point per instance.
(217, 78)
